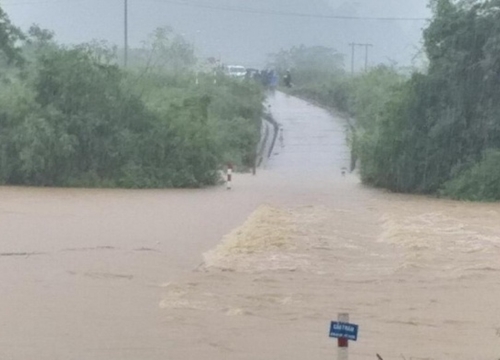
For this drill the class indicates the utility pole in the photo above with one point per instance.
(125, 59)
(366, 46)
(352, 45)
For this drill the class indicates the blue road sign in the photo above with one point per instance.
(344, 330)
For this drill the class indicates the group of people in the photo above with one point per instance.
(270, 78)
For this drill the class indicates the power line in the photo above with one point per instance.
(285, 13)
(247, 10)
(39, 2)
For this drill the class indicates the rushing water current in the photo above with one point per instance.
(257, 272)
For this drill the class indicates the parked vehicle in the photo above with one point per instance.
(237, 71)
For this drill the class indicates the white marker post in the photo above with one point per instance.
(343, 331)
(343, 343)
(229, 176)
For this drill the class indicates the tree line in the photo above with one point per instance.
(70, 116)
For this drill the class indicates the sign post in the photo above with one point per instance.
(343, 331)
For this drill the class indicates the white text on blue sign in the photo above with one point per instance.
(344, 330)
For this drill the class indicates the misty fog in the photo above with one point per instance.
(238, 31)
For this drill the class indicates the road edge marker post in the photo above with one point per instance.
(343, 343)
(229, 176)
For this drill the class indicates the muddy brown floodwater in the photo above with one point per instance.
(253, 273)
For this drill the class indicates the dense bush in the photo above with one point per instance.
(232, 112)
(77, 125)
(72, 117)
(437, 129)
(479, 182)
(333, 93)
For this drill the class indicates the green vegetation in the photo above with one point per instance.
(10, 36)
(479, 182)
(70, 116)
(436, 132)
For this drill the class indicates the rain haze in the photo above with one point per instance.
(238, 31)
(161, 209)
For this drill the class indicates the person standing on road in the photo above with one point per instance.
(274, 80)
(288, 79)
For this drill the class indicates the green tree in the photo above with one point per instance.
(164, 51)
(10, 38)
(439, 125)
(73, 117)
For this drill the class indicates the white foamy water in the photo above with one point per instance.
(253, 273)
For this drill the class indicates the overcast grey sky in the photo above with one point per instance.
(229, 30)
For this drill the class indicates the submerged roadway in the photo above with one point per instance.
(163, 274)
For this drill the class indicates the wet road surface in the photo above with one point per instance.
(309, 142)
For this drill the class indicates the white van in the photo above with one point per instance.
(236, 71)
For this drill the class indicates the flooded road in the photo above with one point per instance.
(253, 273)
